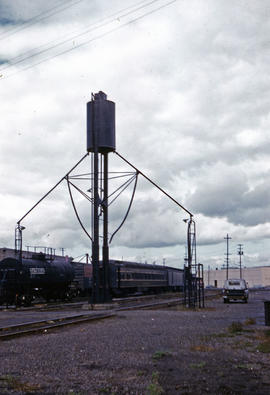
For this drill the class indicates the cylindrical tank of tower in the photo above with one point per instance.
(100, 124)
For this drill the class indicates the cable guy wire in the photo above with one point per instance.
(75, 210)
(128, 210)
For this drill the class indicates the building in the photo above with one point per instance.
(256, 277)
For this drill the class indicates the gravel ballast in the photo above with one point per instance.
(176, 351)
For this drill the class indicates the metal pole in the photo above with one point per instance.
(106, 291)
(189, 263)
(95, 235)
(191, 299)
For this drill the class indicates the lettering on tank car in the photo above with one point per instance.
(36, 271)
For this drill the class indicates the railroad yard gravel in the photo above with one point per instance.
(222, 349)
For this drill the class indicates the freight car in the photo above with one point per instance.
(131, 277)
(23, 280)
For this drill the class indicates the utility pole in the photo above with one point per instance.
(227, 256)
(240, 253)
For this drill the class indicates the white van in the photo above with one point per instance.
(235, 289)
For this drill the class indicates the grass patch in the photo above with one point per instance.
(199, 365)
(154, 388)
(17, 385)
(160, 354)
(104, 390)
(202, 348)
(264, 347)
(250, 321)
(244, 344)
(141, 373)
(267, 333)
(263, 335)
(235, 327)
(218, 335)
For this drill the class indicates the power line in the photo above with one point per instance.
(40, 17)
(53, 41)
(94, 38)
(97, 24)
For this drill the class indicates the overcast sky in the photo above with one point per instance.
(190, 80)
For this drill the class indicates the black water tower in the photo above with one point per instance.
(100, 142)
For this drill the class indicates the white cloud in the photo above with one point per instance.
(191, 87)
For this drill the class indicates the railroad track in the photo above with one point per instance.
(153, 304)
(44, 326)
(165, 300)
(45, 306)
(133, 303)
